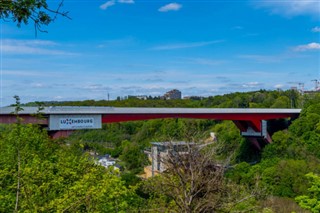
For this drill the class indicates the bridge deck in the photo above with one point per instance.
(137, 110)
(250, 121)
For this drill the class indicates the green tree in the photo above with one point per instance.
(52, 177)
(38, 11)
(229, 140)
(280, 142)
(311, 201)
(281, 102)
(133, 156)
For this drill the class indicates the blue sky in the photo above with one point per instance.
(145, 47)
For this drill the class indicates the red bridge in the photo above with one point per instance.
(61, 121)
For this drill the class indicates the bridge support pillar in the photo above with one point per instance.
(254, 130)
(255, 143)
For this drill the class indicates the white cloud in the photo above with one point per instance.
(58, 97)
(95, 87)
(36, 47)
(316, 29)
(237, 28)
(252, 85)
(113, 2)
(29, 42)
(306, 47)
(15, 49)
(186, 45)
(39, 85)
(292, 7)
(107, 4)
(170, 7)
(278, 86)
(263, 58)
(31, 74)
(126, 1)
(122, 42)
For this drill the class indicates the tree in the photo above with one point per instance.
(194, 181)
(38, 11)
(281, 102)
(312, 200)
(41, 175)
(133, 157)
(191, 179)
(51, 177)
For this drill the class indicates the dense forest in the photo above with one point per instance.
(39, 174)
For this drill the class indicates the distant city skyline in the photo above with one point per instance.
(132, 47)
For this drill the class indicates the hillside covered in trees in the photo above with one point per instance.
(45, 175)
(258, 99)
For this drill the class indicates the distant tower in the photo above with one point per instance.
(300, 85)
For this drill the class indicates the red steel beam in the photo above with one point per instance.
(242, 125)
(253, 118)
(26, 119)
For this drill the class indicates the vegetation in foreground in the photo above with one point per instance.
(41, 175)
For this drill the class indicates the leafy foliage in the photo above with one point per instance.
(72, 181)
(311, 201)
(56, 178)
(292, 154)
(256, 99)
(38, 11)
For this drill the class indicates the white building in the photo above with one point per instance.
(172, 95)
(106, 161)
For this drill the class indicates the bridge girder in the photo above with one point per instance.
(249, 121)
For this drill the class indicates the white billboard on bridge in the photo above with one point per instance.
(75, 123)
(71, 122)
